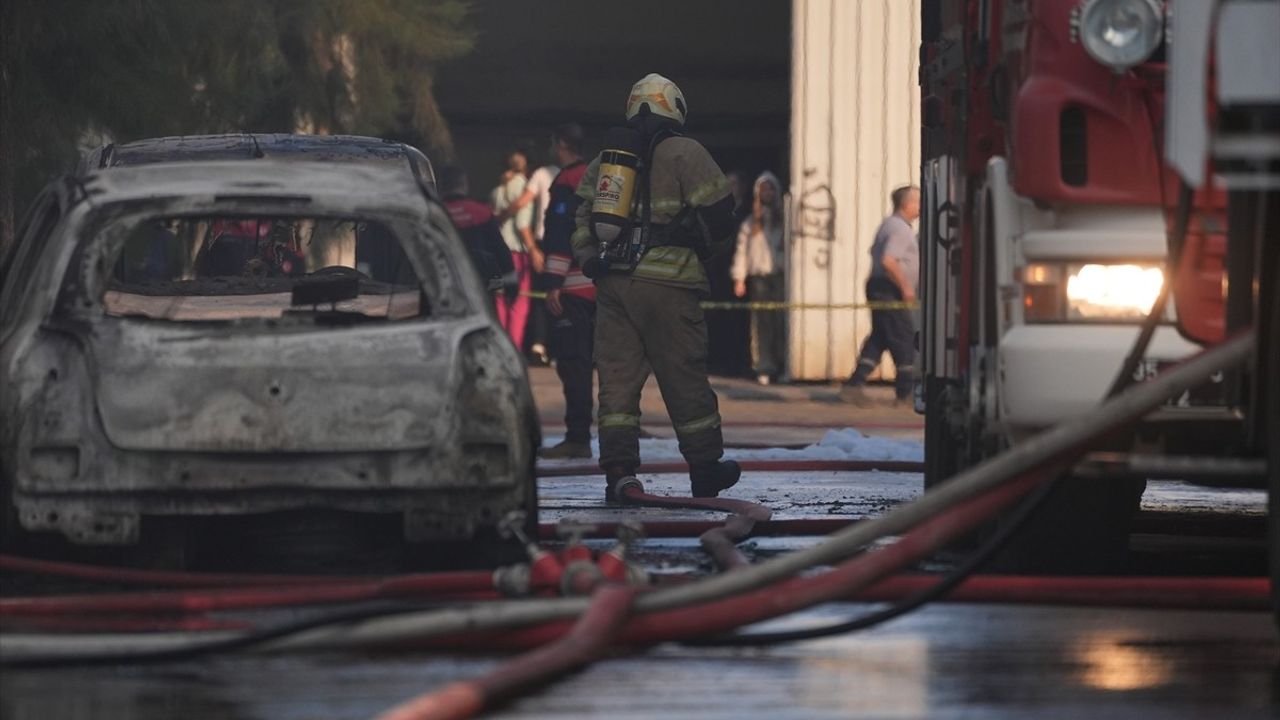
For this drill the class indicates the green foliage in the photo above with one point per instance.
(76, 72)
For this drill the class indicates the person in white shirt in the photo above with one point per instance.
(517, 233)
(536, 195)
(757, 271)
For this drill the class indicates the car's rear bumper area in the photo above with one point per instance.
(442, 495)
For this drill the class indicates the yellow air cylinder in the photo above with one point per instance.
(616, 184)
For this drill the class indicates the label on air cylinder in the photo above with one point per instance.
(616, 184)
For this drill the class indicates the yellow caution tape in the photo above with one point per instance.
(779, 305)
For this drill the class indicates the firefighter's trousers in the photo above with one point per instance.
(643, 326)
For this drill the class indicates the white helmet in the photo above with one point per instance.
(660, 95)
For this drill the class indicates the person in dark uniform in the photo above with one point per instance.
(571, 298)
(895, 272)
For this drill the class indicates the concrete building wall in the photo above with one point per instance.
(855, 118)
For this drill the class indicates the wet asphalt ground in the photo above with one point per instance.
(943, 661)
(946, 661)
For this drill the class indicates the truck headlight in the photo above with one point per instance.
(1121, 33)
(1096, 292)
(1112, 292)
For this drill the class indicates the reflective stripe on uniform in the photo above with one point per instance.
(702, 424)
(557, 265)
(619, 420)
(664, 210)
(677, 264)
(709, 191)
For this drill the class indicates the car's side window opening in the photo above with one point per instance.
(241, 267)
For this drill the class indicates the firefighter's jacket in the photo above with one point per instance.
(683, 174)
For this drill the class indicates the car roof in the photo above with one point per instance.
(262, 146)
(330, 186)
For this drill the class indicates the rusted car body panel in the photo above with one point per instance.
(108, 419)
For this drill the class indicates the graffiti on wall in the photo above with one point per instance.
(816, 215)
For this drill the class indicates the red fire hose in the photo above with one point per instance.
(693, 528)
(772, 589)
(134, 576)
(814, 424)
(771, 601)
(120, 624)
(463, 700)
(721, 542)
(841, 581)
(1189, 593)
(589, 636)
(471, 585)
(663, 468)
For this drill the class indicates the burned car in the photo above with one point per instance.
(279, 147)
(227, 339)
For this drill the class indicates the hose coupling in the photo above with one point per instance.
(514, 580)
(629, 485)
(580, 578)
(613, 562)
(572, 532)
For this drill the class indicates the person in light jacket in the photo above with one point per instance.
(757, 271)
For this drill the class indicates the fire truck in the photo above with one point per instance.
(1049, 210)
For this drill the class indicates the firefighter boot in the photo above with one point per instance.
(856, 395)
(708, 479)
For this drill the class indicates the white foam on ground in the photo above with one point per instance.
(846, 444)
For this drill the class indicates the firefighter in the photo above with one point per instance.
(477, 227)
(655, 206)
